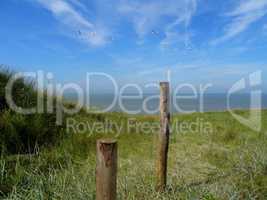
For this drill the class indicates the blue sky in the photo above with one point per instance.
(136, 41)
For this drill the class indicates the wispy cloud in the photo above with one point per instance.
(149, 16)
(172, 33)
(79, 4)
(246, 13)
(170, 18)
(66, 14)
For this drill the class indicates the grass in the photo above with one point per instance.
(215, 157)
(229, 162)
(22, 133)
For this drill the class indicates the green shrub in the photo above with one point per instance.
(23, 133)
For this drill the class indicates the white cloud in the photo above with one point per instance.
(163, 16)
(144, 16)
(79, 5)
(173, 36)
(171, 19)
(246, 13)
(150, 15)
(66, 14)
(249, 6)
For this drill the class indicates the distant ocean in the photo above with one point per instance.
(211, 102)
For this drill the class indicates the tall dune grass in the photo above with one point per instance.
(23, 133)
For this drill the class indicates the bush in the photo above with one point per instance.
(23, 133)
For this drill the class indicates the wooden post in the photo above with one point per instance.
(106, 170)
(163, 139)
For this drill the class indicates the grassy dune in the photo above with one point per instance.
(229, 162)
(21, 133)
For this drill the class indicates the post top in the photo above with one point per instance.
(164, 83)
(107, 141)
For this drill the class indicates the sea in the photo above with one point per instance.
(182, 103)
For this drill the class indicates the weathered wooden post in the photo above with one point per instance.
(163, 138)
(106, 170)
